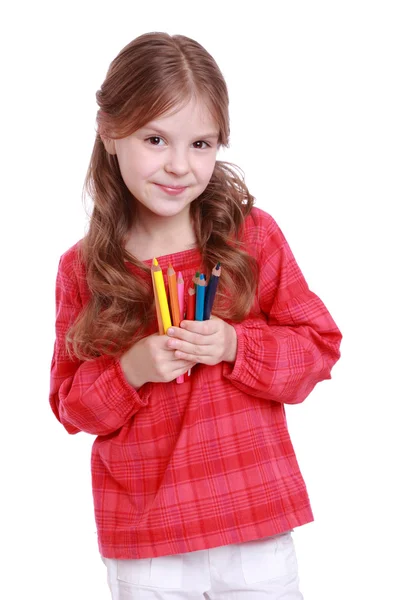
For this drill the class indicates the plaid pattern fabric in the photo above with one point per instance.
(179, 468)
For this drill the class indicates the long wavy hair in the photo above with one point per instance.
(151, 76)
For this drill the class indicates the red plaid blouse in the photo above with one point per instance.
(184, 467)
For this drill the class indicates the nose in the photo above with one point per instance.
(177, 162)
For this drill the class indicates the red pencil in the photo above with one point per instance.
(191, 304)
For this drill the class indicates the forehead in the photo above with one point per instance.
(192, 116)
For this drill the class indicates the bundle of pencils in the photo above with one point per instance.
(211, 291)
(204, 294)
(201, 296)
(176, 297)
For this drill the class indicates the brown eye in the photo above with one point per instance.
(200, 147)
(154, 140)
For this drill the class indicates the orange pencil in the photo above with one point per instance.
(173, 295)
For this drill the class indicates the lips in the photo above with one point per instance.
(172, 187)
(171, 190)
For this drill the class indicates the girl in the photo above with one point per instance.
(196, 486)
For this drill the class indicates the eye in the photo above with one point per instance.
(154, 140)
(201, 147)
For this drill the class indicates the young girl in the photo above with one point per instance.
(196, 485)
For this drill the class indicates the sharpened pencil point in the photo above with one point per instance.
(155, 262)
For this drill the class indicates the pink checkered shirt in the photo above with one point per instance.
(184, 467)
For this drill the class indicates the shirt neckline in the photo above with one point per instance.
(181, 261)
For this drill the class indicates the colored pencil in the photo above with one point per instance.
(158, 311)
(181, 295)
(173, 295)
(180, 284)
(191, 307)
(200, 295)
(196, 280)
(174, 303)
(211, 291)
(161, 293)
(191, 304)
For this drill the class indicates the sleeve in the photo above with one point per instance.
(293, 343)
(93, 395)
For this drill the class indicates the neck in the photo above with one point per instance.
(157, 236)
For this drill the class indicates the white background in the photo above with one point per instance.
(315, 99)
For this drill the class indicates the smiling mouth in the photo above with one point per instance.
(172, 187)
(171, 191)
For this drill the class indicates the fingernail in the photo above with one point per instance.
(170, 331)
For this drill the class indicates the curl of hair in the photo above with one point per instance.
(148, 78)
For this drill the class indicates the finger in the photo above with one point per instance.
(203, 327)
(180, 364)
(185, 366)
(204, 359)
(198, 338)
(188, 347)
(171, 357)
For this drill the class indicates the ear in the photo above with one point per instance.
(109, 144)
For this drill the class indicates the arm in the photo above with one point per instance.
(93, 395)
(294, 343)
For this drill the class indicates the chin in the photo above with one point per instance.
(173, 210)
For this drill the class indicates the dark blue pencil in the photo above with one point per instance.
(211, 291)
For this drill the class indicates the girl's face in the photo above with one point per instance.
(168, 163)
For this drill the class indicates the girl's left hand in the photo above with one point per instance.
(206, 342)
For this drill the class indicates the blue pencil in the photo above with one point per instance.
(211, 291)
(200, 295)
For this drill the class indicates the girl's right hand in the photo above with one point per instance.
(150, 359)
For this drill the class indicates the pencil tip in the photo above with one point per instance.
(155, 262)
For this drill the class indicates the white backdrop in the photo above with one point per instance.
(315, 99)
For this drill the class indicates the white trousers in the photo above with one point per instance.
(261, 570)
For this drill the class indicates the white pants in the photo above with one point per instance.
(262, 569)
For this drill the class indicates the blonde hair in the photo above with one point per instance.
(149, 77)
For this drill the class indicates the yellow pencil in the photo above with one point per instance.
(159, 319)
(161, 294)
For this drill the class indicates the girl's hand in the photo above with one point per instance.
(206, 342)
(150, 359)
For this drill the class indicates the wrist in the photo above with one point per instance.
(131, 374)
(231, 349)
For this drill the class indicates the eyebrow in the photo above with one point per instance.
(213, 134)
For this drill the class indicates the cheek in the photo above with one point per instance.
(203, 164)
(206, 170)
(135, 167)
(146, 165)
